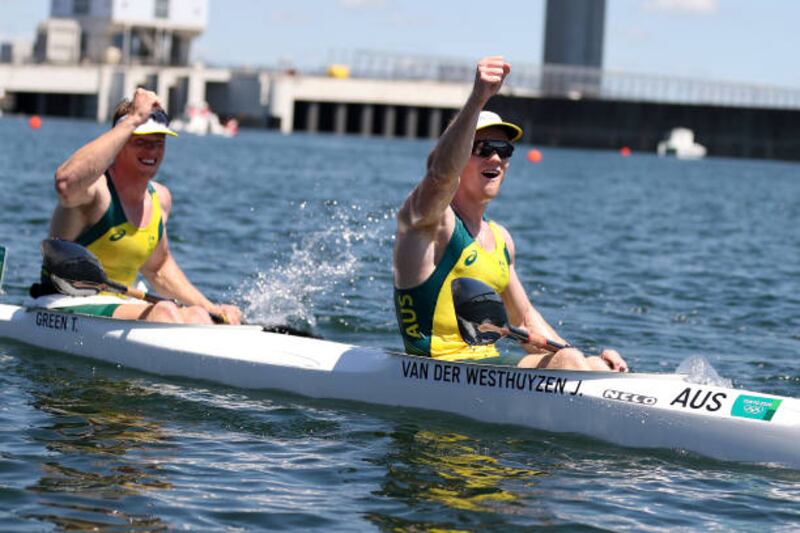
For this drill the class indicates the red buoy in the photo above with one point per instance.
(534, 155)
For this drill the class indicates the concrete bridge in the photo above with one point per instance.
(401, 96)
(92, 91)
(289, 101)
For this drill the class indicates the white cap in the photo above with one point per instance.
(156, 123)
(489, 119)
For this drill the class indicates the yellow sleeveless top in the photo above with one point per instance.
(121, 247)
(426, 314)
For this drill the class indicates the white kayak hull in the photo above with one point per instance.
(635, 410)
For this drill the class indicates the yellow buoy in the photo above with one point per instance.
(340, 72)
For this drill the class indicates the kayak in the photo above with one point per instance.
(638, 410)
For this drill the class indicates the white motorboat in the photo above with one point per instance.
(681, 144)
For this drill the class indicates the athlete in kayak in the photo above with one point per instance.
(443, 234)
(108, 202)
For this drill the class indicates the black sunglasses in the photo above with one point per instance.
(160, 116)
(503, 149)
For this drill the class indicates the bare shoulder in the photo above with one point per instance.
(164, 197)
(162, 190)
(439, 229)
(507, 238)
(418, 250)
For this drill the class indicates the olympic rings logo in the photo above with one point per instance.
(754, 409)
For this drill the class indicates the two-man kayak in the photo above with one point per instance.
(635, 410)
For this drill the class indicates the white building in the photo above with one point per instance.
(144, 32)
(58, 40)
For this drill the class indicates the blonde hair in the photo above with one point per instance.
(123, 108)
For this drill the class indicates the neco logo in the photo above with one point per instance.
(628, 397)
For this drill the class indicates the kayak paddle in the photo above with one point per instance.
(482, 319)
(75, 271)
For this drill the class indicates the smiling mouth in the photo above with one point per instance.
(490, 174)
(148, 162)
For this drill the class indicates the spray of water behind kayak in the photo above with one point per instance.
(325, 267)
(699, 370)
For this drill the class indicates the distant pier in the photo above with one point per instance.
(387, 95)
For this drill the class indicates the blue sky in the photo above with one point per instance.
(738, 40)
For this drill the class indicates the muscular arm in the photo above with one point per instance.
(428, 202)
(168, 279)
(161, 269)
(425, 216)
(521, 312)
(76, 178)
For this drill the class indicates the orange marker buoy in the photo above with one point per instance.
(624, 151)
(35, 122)
(534, 155)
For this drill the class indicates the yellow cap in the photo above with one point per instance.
(489, 119)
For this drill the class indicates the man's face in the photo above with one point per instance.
(143, 154)
(482, 176)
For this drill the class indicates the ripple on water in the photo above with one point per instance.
(660, 259)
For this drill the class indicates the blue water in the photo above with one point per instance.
(662, 259)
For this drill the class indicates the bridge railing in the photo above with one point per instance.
(575, 82)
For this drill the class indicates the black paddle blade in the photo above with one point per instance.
(477, 303)
(70, 262)
(74, 288)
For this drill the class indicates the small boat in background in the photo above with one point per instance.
(680, 143)
(200, 120)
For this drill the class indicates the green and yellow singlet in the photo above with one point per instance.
(426, 314)
(121, 247)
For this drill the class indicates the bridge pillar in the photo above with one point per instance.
(312, 117)
(367, 113)
(434, 123)
(41, 104)
(412, 119)
(389, 120)
(340, 119)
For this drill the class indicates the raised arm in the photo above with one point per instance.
(76, 177)
(428, 203)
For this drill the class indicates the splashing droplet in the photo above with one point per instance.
(699, 370)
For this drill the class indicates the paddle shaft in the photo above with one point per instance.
(539, 340)
(113, 286)
(79, 268)
(479, 304)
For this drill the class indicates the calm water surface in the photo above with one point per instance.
(661, 259)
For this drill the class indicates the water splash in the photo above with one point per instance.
(699, 370)
(322, 259)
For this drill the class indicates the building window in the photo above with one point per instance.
(80, 7)
(162, 9)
